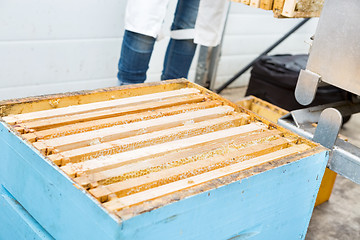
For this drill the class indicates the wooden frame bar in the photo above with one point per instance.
(134, 185)
(65, 120)
(156, 164)
(71, 110)
(118, 204)
(109, 122)
(122, 131)
(96, 165)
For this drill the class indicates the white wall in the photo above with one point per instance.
(59, 45)
(66, 45)
(249, 32)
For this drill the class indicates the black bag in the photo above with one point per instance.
(274, 78)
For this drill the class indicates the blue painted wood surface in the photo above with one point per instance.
(276, 204)
(16, 222)
(50, 196)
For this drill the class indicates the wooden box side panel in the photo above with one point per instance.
(45, 102)
(16, 222)
(278, 202)
(262, 108)
(65, 211)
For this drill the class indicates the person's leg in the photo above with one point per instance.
(135, 55)
(180, 53)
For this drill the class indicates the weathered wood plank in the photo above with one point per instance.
(309, 6)
(266, 4)
(255, 3)
(166, 161)
(262, 108)
(137, 198)
(278, 5)
(265, 112)
(76, 109)
(117, 160)
(109, 122)
(298, 14)
(60, 100)
(122, 131)
(126, 144)
(155, 179)
(114, 112)
(289, 8)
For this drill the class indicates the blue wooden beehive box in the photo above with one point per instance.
(167, 160)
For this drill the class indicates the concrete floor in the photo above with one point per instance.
(339, 218)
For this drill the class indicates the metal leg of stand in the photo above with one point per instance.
(208, 62)
(345, 157)
(242, 71)
(207, 66)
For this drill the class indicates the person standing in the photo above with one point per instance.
(195, 22)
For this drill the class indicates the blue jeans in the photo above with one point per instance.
(137, 48)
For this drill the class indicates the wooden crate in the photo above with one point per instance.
(288, 8)
(298, 8)
(167, 160)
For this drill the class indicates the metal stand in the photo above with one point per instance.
(344, 157)
(208, 62)
(207, 66)
(242, 71)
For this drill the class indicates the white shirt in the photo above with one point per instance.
(146, 17)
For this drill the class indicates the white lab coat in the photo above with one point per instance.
(146, 17)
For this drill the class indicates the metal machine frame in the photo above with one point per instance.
(345, 157)
(334, 59)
